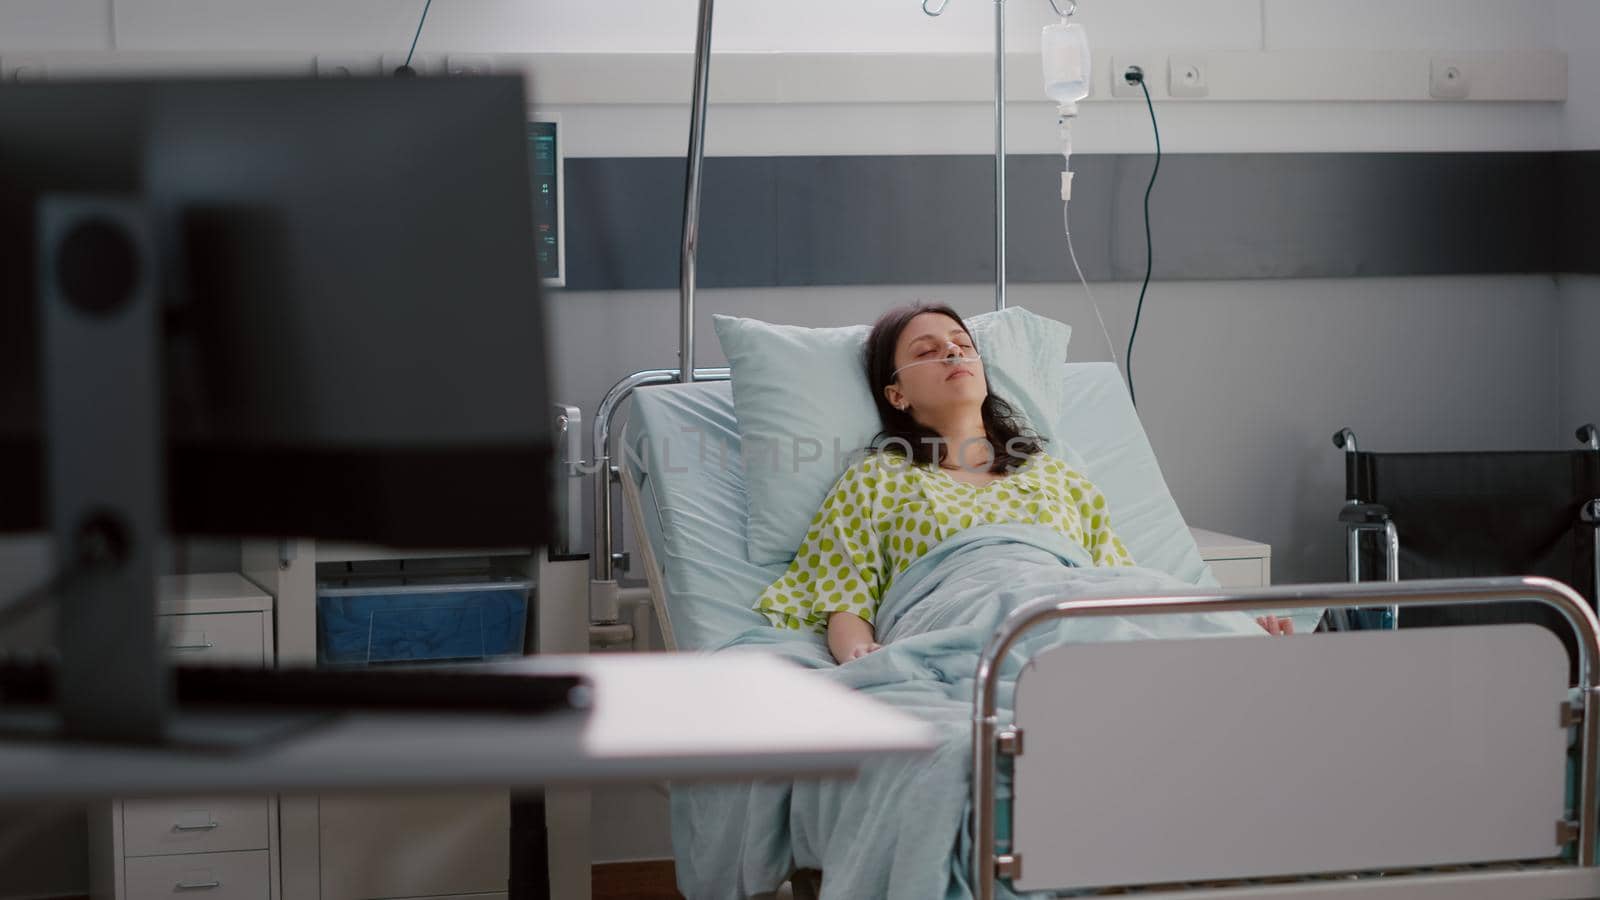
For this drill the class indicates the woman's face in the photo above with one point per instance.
(935, 389)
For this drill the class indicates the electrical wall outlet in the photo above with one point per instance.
(458, 64)
(346, 66)
(1448, 80)
(1186, 76)
(1152, 66)
(421, 63)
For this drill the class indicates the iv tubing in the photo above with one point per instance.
(1066, 223)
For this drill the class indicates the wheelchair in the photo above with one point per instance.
(1470, 514)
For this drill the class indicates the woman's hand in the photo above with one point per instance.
(1274, 625)
(850, 637)
(860, 650)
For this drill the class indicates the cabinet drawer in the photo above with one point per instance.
(200, 824)
(213, 876)
(233, 638)
(1238, 573)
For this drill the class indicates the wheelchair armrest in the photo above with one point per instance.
(1591, 513)
(1364, 514)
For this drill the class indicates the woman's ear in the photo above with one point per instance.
(895, 396)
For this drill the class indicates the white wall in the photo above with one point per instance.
(1579, 21)
(519, 26)
(1580, 351)
(227, 28)
(1241, 383)
(42, 25)
(238, 28)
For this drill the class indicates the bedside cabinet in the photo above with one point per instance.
(1237, 562)
(224, 848)
(1241, 563)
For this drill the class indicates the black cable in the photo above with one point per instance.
(1149, 243)
(406, 66)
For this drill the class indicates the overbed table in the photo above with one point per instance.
(654, 716)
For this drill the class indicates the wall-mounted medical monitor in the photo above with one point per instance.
(549, 196)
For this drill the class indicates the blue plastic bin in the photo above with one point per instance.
(416, 623)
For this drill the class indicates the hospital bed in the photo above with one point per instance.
(1381, 764)
(1426, 763)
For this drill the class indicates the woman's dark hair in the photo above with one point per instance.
(1010, 442)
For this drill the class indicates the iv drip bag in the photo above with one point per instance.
(1065, 50)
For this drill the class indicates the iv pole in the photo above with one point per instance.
(691, 194)
(603, 598)
(929, 7)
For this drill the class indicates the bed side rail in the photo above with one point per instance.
(988, 742)
(603, 603)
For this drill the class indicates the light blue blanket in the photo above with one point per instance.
(899, 830)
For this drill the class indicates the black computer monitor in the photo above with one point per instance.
(285, 307)
(352, 340)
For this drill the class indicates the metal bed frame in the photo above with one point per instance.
(989, 742)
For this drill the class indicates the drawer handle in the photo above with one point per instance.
(206, 827)
(204, 645)
(196, 885)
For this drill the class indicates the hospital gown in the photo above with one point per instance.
(884, 513)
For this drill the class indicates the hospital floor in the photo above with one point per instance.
(652, 880)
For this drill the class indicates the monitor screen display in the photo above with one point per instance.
(544, 155)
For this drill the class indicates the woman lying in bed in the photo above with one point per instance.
(951, 456)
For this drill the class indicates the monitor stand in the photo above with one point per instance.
(100, 315)
(100, 312)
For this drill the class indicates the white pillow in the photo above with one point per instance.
(804, 407)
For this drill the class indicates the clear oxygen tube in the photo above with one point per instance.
(1064, 49)
(951, 360)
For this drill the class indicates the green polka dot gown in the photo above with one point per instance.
(883, 514)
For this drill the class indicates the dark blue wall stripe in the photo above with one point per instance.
(1575, 229)
(862, 220)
